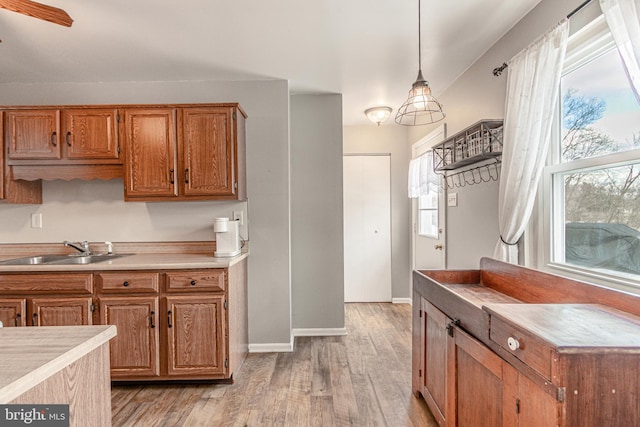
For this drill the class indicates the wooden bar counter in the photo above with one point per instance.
(59, 365)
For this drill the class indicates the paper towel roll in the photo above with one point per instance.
(221, 225)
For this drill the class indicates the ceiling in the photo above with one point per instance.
(367, 50)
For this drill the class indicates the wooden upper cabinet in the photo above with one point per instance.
(150, 153)
(207, 151)
(187, 153)
(33, 134)
(90, 134)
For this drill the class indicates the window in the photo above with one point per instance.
(428, 214)
(593, 178)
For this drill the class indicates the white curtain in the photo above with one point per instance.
(422, 178)
(533, 88)
(622, 18)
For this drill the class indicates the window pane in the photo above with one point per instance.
(600, 114)
(428, 223)
(601, 218)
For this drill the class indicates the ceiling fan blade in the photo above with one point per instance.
(38, 10)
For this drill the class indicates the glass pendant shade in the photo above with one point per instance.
(378, 114)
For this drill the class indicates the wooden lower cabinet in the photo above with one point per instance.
(466, 384)
(46, 311)
(13, 311)
(195, 335)
(135, 349)
(61, 311)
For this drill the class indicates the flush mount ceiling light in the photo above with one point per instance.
(378, 114)
(420, 108)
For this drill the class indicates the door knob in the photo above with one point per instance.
(438, 247)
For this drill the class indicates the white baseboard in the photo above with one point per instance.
(271, 348)
(319, 332)
(401, 301)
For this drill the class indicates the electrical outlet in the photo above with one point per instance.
(36, 220)
(238, 216)
(452, 199)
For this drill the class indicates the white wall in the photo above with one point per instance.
(317, 254)
(94, 210)
(390, 139)
(472, 226)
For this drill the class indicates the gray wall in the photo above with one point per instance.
(317, 261)
(95, 210)
(472, 226)
(390, 139)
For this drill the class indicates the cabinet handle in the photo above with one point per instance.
(169, 316)
(18, 317)
(186, 175)
(54, 135)
(125, 284)
(153, 313)
(171, 176)
(33, 319)
(193, 283)
(68, 138)
(513, 343)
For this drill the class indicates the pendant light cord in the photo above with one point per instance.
(419, 40)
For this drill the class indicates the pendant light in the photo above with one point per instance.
(420, 108)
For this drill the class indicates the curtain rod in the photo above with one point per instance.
(498, 70)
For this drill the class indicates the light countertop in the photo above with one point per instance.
(147, 261)
(29, 356)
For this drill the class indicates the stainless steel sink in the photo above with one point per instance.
(62, 259)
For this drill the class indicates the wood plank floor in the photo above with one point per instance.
(362, 379)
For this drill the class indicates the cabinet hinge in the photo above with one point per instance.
(118, 150)
(225, 305)
(118, 118)
(226, 363)
(561, 394)
(93, 308)
(420, 373)
(420, 313)
(517, 406)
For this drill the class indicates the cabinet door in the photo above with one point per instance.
(33, 134)
(150, 148)
(208, 155)
(479, 383)
(90, 134)
(135, 350)
(196, 337)
(528, 405)
(61, 311)
(439, 371)
(13, 311)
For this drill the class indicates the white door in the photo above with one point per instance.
(428, 225)
(367, 228)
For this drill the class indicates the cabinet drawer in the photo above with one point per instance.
(128, 282)
(211, 280)
(524, 345)
(72, 283)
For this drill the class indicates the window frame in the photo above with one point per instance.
(589, 42)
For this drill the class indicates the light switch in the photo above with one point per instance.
(452, 199)
(36, 220)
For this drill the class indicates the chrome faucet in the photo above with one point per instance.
(82, 247)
